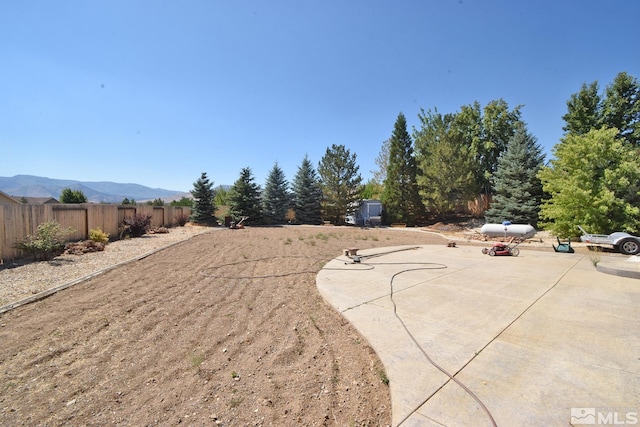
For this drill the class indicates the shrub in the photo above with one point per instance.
(137, 225)
(182, 219)
(98, 236)
(48, 242)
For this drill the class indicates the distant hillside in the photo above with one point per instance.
(96, 192)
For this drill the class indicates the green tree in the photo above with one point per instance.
(499, 125)
(594, 182)
(222, 196)
(244, 198)
(382, 161)
(72, 196)
(203, 209)
(618, 107)
(126, 201)
(400, 195)
(48, 242)
(372, 190)
(340, 181)
(307, 194)
(446, 164)
(486, 130)
(155, 202)
(184, 201)
(518, 190)
(584, 110)
(621, 107)
(276, 199)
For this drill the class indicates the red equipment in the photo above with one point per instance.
(502, 249)
(239, 225)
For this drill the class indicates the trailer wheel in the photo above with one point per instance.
(485, 250)
(492, 252)
(514, 251)
(629, 247)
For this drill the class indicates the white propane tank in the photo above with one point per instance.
(506, 229)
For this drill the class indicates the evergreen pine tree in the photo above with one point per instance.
(307, 194)
(72, 196)
(340, 182)
(244, 198)
(518, 190)
(400, 195)
(276, 199)
(203, 209)
(446, 163)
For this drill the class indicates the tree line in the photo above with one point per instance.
(327, 193)
(449, 160)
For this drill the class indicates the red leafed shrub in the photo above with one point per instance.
(136, 225)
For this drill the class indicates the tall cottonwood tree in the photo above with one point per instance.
(400, 197)
(307, 194)
(487, 131)
(499, 124)
(517, 188)
(203, 209)
(340, 182)
(276, 199)
(244, 198)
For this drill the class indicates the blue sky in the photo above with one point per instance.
(156, 92)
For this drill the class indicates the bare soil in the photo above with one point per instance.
(224, 329)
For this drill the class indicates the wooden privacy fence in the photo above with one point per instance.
(19, 220)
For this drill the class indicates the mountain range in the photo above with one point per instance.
(96, 192)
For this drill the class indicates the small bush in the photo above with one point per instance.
(182, 219)
(137, 225)
(98, 236)
(47, 243)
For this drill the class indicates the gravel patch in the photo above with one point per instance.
(22, 279)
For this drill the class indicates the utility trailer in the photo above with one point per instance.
(622, 242)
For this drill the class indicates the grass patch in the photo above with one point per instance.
(595, 255)
(383, 376)
(235, 402)
(197, 359)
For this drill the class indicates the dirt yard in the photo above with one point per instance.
(224, 329)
